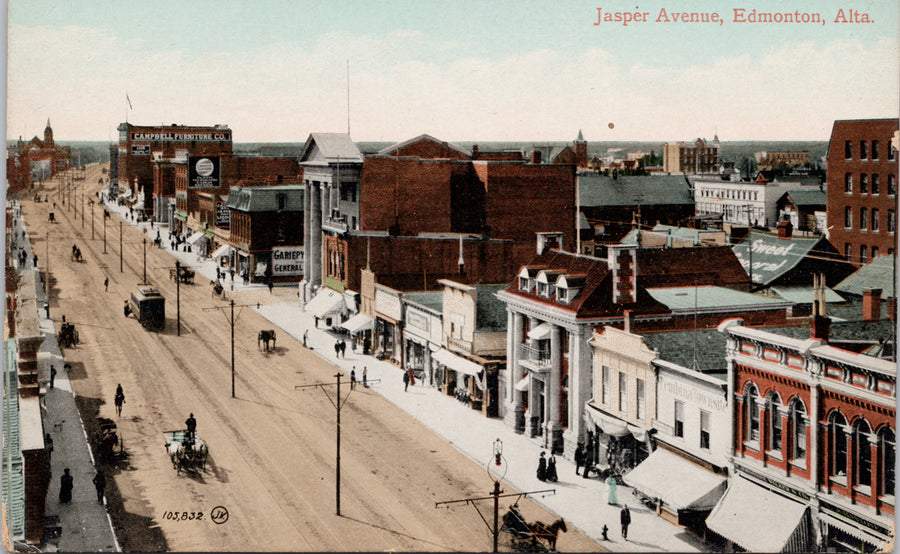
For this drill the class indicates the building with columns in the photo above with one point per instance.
(814, 441)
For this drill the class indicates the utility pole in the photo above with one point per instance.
(82, 210)
(120, 247)
(47, 271)
(231, 322)
(338, 404)
(145, 261)
(92, 221)
(178, 295)
(104, 232)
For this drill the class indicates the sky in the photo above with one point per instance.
(466, 70)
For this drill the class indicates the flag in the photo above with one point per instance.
(129, 100)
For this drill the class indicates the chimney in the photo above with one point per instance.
(871, 305)
(474, 151)
(622, 261)
(819, 327)
(892, 308)
(536, 156)
(629, 320)
(546, 241)
(785, 229)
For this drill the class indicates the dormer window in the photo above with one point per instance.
(525, 284)
(568, 287)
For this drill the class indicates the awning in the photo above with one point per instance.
(854, 530)
(139, 205)
(522, 385)
(676, 481)
(608, 424)
(196, 238)
(358, 323)
(222, 252)
(457, 363)
(325, 302)
(542, 331)
(778, 518)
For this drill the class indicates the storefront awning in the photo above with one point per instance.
(457, 363)
(222, 252)
(676, 481)
(325, 302)
(610, 425)
(540, 332)
(744, 502)
(196, 238)
(522, 385)
(358, 323)
(854, 530)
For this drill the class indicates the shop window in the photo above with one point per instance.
(751, 414)
(837, 426)
(623, 393)
(862, 454)
(887, 447)
(798, 429)
(679, 419)
(704, 430)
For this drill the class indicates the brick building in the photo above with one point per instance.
(768, 160)
(813, 441)
(41, 159)
(862, 188)
(701, 157)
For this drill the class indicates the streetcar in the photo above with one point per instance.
(149, 307)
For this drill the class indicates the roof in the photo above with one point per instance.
(265, 199)
(490, 311)
(424, 137)
(671, 232)
(704, 298)
(683, 267)
(803, 294)
(877, 274)
(330, 148)
(595, 189)
(811, 197)
(774, 257)
(432, 300)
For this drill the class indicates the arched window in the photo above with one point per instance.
(837, 425)
(798, 430)
(887, 444)
(751, 416)
(773, 407)
(862, 453)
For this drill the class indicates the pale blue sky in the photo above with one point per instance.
(465, 70)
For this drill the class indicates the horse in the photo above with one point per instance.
(264, 337)
(217, 288)
(548, 533)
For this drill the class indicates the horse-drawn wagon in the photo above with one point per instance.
(264, 337)
(106, 439)
(184, 274)
(187, 451)
(68, 335)
(530, 537)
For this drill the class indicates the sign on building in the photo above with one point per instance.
(140, 149)
(223, 215)
(203, 172)
(287, 260)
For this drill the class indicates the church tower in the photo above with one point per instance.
(48, 136)
(581, 157)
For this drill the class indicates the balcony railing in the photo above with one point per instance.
(335, 224)
(536, 356)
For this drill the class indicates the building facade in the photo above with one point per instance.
(701, 157)
(748, 203)
(862, 188)
(813, 437)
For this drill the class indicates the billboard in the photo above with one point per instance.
(203, 172)
(223, 215)
(287, 260)
(140, 149)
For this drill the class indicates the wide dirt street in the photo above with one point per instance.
(272, 448)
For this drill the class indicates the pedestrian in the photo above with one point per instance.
(551, 469)
(613, 495)
(337, 349)
(100, 484)
(365, 381)
(542, 467)
(405, 380)
(120, 399)
(35, 260)
(588, 462)
(625, 519)
(52, 375)
(343, 349)
(218, 273)
(106, 284)
(305, 336)
(270, 286)
(191, 425)
(65, 487)
(316, 321)
(579, 457)
(48, 446)
(47, 309)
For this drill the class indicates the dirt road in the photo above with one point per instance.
(272, 447)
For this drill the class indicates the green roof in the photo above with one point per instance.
(595, 189)
(431, 300)
(490, 311)
(773, 257)
(685, 299)
(877, 274)
(808, 197)
(265, 198)
(803, 294)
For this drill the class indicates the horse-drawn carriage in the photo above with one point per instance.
(68, 335)
(187, 451)
(530, 537)
(51, 217)
(264, 337)
(217, 288)
(106, 439)
(184, 274)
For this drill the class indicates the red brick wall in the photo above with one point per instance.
(37, 481)
(839, 166)
(429, 149)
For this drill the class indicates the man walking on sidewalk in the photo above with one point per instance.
(100, 485)
(52, 375)
(625, 519)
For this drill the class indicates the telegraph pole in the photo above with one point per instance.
(92, 221)
(82, 210)
(120, 247)
(104, 232)
(178, 295)
(231, 322)
(338, 404)
(145, 261)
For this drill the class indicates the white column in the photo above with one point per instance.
(551, 394)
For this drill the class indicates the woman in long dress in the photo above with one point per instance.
(65, 487)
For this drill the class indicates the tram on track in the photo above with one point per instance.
(149, 307)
